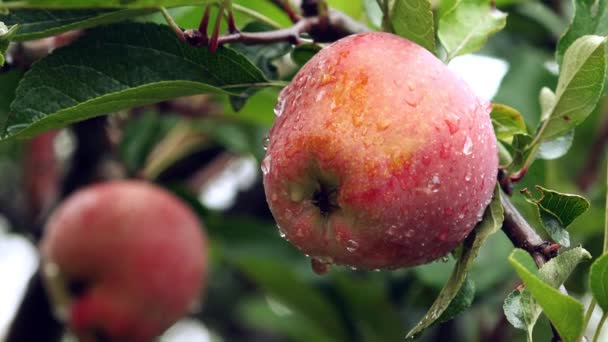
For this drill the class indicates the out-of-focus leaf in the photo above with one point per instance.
(262, 56)
(507, 122)
(468, 25)
(491, 223)
(590, 17)
(579, 87)
(557, 147)
(364, 298)
(413, 19)
(565, 312)
(271, 315)
(544, 15)
(598, 281)
(280, 282)
(35, 24)
(140, 137)
(120, 67)
(373, 12)
(557, 211)
(303, 53)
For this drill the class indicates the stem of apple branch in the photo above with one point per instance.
(285, 5)
(596, 337)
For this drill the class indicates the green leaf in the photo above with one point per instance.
(507, 122)
(546, 98)
(579, 87)
(102, 3)
(468, 25)
(413, 20)
(521, 151)
(373, 12)
(598, 281)
(120, 67)
(279, 281)
(492, 221)
(462, 301)
(262, 56)
(303, 53)
(35, 24)
(565, 312)
(588, 18)
(557, 211)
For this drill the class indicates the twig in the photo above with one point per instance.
(285, 5)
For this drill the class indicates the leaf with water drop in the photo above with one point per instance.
(490, 224)
(557, 211)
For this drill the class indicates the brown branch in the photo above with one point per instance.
(334, 26)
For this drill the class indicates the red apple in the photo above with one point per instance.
(379, 157)
(137, 254)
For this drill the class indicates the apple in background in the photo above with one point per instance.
(134, 256)
(379, 157)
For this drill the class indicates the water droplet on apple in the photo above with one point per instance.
(319, 267)
(467, 149)
(266, 142)
(453, 122)
(279, 107)
(266, 164)
(434, 183)
(461, 216)
(467, 177)
(352, 245)
(409, 233)
(281, 232)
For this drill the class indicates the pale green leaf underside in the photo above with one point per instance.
(466, 27)
(413, 19)
(120, 67)
(491, 223)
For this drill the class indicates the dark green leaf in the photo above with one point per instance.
(413, 19)
(588, 18)
(462, 301)
(34, 24)
(598, 281)
(507, 122)
(8, 85)
(467, 26)
(303, 53)
(491, 223)
(557, 211)
(565, 312)
(520, 150)
(102, 3)
(119, 67)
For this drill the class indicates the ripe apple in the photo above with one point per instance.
(379, 157)
(134, 254)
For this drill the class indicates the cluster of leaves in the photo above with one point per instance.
(119, 65)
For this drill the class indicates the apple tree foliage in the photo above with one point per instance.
(550, 115)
